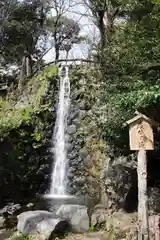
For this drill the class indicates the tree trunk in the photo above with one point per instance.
(23, 71)
(102, 31)
(56, 53)
(28, 65)
(142, 196)
(67, 54)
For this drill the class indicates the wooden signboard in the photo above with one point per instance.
(141, 139)
(141, 133)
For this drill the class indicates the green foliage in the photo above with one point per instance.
(64, 27)
(92, 228)
(21, 237)
(12, 116)
(24, 121)
(131, 71)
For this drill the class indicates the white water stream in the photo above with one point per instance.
(58, 178)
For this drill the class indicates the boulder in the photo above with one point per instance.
(41, 223)
(80, 181)
(71, 129)
(77, 216)
(10, 209)
(99, 216)
(30, 206)
(8, 215)
(69, 147)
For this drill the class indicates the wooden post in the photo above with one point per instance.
(141, 140)
(143, 233)
(157, 227)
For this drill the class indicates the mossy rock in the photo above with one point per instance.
(19, 107)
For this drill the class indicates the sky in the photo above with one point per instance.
(87, 29)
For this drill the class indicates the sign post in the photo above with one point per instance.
(141, 140)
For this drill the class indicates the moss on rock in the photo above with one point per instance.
(86, 94)
(19, 106)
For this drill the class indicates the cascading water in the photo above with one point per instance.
(58, 179)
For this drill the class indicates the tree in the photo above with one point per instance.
(132, 78)
(21, 32)
(104, 14)
(64, 32)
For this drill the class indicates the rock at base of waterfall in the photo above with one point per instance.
(77, 216)
(10, 209)
(41, 223)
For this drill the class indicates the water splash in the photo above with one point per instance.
(58, 180)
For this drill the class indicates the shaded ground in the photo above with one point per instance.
(5, 235)
(101, 235)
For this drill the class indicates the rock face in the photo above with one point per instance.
(77, 216)
(79, 179)
(99, 216)
(41, 223)
(120, 181)
(87, 153)
(154, 200)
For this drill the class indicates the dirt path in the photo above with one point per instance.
(101, 235)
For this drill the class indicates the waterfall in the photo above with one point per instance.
(58, 178)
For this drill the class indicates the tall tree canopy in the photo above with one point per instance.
(21, 31)
(64, 32)
(131, 63)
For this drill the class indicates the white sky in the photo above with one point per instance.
(87, 29)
